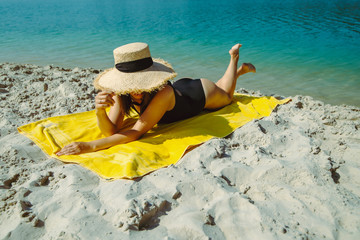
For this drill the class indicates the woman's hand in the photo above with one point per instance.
(104, 99)
(76, 148)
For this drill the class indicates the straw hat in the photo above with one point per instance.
(135, 71)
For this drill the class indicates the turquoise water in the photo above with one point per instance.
(299, 47)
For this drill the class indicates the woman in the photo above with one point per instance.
(140, 82)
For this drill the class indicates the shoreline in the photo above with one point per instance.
(294, 174)
(244, 82)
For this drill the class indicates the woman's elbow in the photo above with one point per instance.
(134, 135)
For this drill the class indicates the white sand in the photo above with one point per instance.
(295, 174)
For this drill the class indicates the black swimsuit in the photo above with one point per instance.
(189, 100)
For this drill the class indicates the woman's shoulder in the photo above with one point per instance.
(167, 90)
(165, 96)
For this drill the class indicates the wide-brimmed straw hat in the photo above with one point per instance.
(135, 71)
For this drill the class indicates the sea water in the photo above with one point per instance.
(299, 47)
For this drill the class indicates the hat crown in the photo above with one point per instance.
(135, 71)
(131, 52)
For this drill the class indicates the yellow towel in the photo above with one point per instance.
(165, 144)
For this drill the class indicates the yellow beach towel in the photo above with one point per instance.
(165, 144)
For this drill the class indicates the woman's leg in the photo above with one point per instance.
(220, 94)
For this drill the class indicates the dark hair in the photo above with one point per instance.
(127, 104)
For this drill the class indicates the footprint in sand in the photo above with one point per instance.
(26, 209)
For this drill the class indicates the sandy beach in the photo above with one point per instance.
(293, 175)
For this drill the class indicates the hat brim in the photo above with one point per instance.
(147, 80)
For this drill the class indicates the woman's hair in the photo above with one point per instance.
(127, 104)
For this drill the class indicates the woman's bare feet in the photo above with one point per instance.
(245, 68)
(234, 51)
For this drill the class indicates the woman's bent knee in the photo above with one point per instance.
(215, 97)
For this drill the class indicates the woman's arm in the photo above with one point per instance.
(85, 147)
(163, 101)
(108, 124)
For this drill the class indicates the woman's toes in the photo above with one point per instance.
(235, 50)
(248, 67)
(245, 68)
(251, 67)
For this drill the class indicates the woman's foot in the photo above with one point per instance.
(234, 51)
(245, 68)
